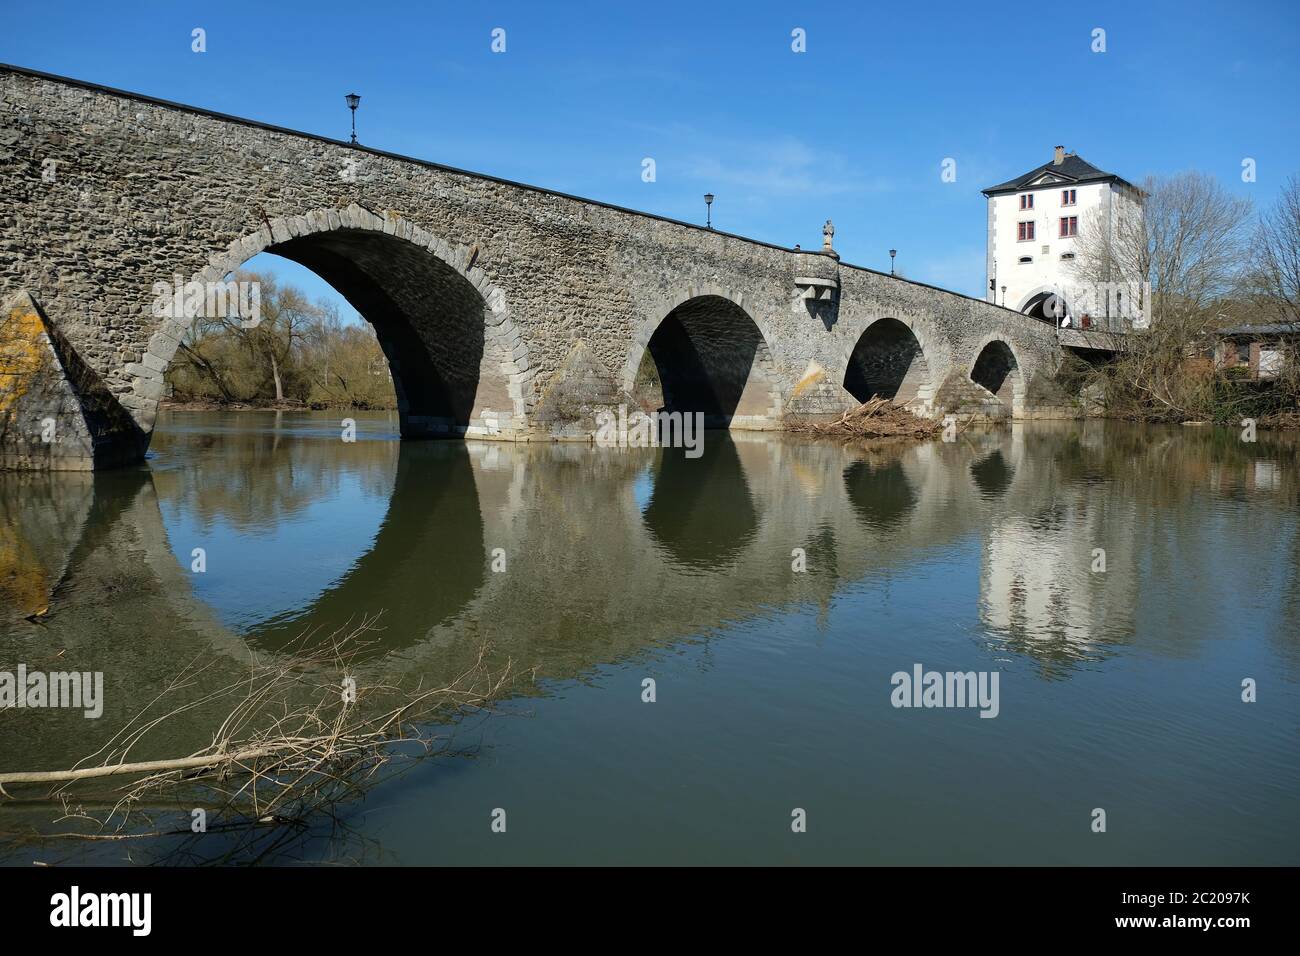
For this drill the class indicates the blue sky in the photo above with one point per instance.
(854, 129)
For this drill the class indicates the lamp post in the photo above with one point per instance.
(1004, 297)
(353, 102)
(892, 253)
(708, 210)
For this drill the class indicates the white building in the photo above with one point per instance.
(1034, 221)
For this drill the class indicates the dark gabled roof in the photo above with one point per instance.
(1073, 169)
(1276, 328)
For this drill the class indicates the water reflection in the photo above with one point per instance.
(41, 520)
(1104, 525)
(880, 492)
(1039, 590)
(700, 509)
(980, 553)
(991, 474)
(426, 564)
(258, 478)
(334, 532)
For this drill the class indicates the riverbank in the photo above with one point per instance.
(874, 420)
(287, 405)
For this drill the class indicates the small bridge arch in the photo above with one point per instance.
(704, 351)
(893, 358)
(997, 370)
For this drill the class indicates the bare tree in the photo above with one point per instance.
(344, 363)
(272, 340)
(299, 351)
(1193, 246)
(1278, 240)
(239, 358)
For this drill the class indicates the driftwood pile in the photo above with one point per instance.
(875, 418)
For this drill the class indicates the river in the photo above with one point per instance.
(1121, 582)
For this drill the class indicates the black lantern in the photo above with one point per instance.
(353, 102)
(708, 210)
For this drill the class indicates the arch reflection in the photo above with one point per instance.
(992, 474)
(880, 493)
(696, 513)
(426, 564)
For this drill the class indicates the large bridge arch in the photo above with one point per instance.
(704, 351)
(456, 357)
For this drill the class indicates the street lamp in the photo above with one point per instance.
(708, 210)
(1004, 297)
(353, 102)
(892, 253)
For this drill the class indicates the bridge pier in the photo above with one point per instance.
(55, 412)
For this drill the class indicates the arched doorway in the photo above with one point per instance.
(1047, 306)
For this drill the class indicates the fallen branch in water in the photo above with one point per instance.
(148, 766)
(300, 734)
(875, 418)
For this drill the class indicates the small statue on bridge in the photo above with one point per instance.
(828, 232)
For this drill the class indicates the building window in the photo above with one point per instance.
(1027, 201)
(1067, 256)
(1243, 352)
(1068, 197)
(1025, 260)
(1025, 232)
(1069, 226)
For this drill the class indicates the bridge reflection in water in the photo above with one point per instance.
(583, 557)
(987, 542)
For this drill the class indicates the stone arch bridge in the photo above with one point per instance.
(505, 310)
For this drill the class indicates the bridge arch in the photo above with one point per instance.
(458, 361)
(891, 358)
(703, 351)
(997, 369)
